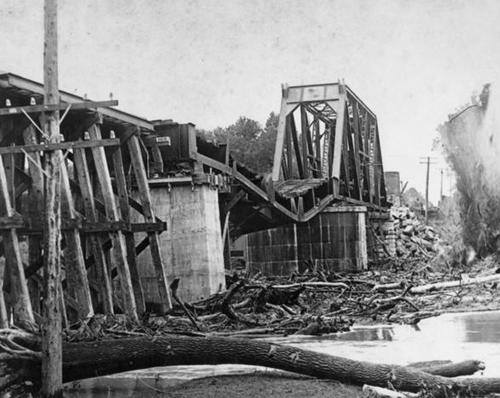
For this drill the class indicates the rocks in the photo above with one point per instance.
(406, 236)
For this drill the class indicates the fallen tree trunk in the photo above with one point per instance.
(90, 359)
(438, 285)
(457, 283)
(464, 368)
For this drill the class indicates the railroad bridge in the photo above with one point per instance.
(146, 201)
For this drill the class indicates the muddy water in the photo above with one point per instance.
(451, 336)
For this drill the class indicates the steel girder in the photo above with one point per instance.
(327, 146)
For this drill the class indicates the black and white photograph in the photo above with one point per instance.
(249, 198)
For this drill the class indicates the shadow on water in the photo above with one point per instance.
(452, 336)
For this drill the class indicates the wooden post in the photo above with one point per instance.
(35, 213)
(51, 324)
(76, 273)
(96, 242)
(154, 241)
(121, 185)
(119, 251)
(19, 295)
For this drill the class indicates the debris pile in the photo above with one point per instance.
(313, 303)
(411, 237)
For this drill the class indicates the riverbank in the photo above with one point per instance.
(254, 385)
(457, 339)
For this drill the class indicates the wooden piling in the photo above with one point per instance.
(76, 273)
(121, 185)
(96, 241)
(154, 241)
(119, 251)
(19, 296)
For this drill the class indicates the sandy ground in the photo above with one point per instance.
(258, 384)
(252, 386)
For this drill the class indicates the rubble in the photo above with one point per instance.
(408, 236)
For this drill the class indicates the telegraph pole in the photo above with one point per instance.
(51, 323)
(427, 191)
(428, 162)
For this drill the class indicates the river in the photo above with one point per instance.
(456, 337)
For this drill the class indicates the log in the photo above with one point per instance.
(388, 286)
(464, 368)
(457, 283)
(104, 357)
(312, 285)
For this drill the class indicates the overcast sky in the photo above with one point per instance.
(211, 61)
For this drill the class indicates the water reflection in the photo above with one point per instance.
(482, 328)
(453, 336)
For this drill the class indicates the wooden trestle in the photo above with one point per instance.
(98, 176)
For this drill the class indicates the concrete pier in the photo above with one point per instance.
(335, 240)
(192, 245)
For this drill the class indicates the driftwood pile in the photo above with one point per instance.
(318, 303)
(211, 331)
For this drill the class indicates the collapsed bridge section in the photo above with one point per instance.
(327, 149)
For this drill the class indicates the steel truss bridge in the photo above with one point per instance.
(327, 152)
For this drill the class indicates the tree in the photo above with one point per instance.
(249, 143)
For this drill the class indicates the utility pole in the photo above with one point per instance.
(51, 323)
(428, 162)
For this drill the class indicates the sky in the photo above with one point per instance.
(211, 61)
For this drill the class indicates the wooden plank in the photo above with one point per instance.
(35, 211)
(148, 227)
(24, 227)
(59, 145)
(19, 295)
(154, 241)
(157, 158)
(254, 189)
(100, 227)
(15, 221)
(12, 80)
(119, 251)
(4, 316)
(10, 166)
(16, 110)
(123, 200)
(76, 273)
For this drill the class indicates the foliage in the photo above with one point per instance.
(250, 144)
